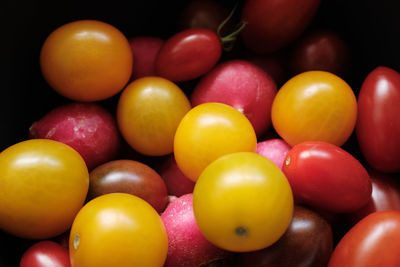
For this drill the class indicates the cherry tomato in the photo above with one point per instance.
(207, 14)
(327, 177)
(209, 131)
(374, 241)
(320, 50)
(118, 229)
(378, 125)
(306, 242)
(148, 113)
(45, 254)
(188, 54)
(385, 196)
(242, 202)
(43, 185)
(128, 176)
(315, 106)
(273, 24)
(86, 60)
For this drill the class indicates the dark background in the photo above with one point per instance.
(370, 27)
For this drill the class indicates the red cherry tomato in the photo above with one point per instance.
(273, 24)
(374, 241)
(378, 125)
(188, 54)
(327, 177)
(320, 50)
(385, 196)
(45, 254)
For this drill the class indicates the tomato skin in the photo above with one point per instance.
(45, 254)
(273, 24)
(242, 202)
(209, 131)
(188, 54)
(320, 50)
(315, 106)
(306, 242)
(86, 60)
(378, 125)
(43, 185)
(118, 229)
(327, 177)
(385, 196)
(148, 112)
(372, 242)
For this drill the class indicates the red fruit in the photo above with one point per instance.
(186, 244)
(45, 254)
(385, 196)
(188, 55)
(275, 23)
(378, 122)
(131, 177)
(321, 50)
(88, 128)
(274, 65)
(177, 183)
(325, 176)
(242, 85)
(274, 150)
(144, 50)
(372, 242)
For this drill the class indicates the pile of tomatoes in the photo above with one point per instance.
(242, 137)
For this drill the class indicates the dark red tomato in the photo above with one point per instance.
(45, 254)
(327, 177)
(188, 54)
(131, 177)
(378, 124)
(320, 50)
(385, 196)
(274, 65)
(307, 242)
(275, 23)
(207, 14)
(372, 242)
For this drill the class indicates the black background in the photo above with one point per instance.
(370, 27)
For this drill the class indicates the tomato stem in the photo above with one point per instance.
(228, 41)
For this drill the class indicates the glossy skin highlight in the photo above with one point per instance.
(315, 106)
(86, 60)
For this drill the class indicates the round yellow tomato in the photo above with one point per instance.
(242, 202)
(315, 106)
(43, 185)
(149, 111)
(209, 131)
(86, 60)
(118, 229)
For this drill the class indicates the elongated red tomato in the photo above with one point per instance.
(374, 241)
(188, 54)
(378, 125)
(273, 24)
(45, 254)
(327, 177)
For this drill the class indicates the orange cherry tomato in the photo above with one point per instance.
(43, 185)
(315, 106)
(242, 202)
(149, 111)
(86, 60)
(118, 229)
(209, 131)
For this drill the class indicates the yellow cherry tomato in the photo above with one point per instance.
(315, 106)
(43, 184)
(242, 202)
(118, 229)
(209, 131)
(86, 60)
(149, 111)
